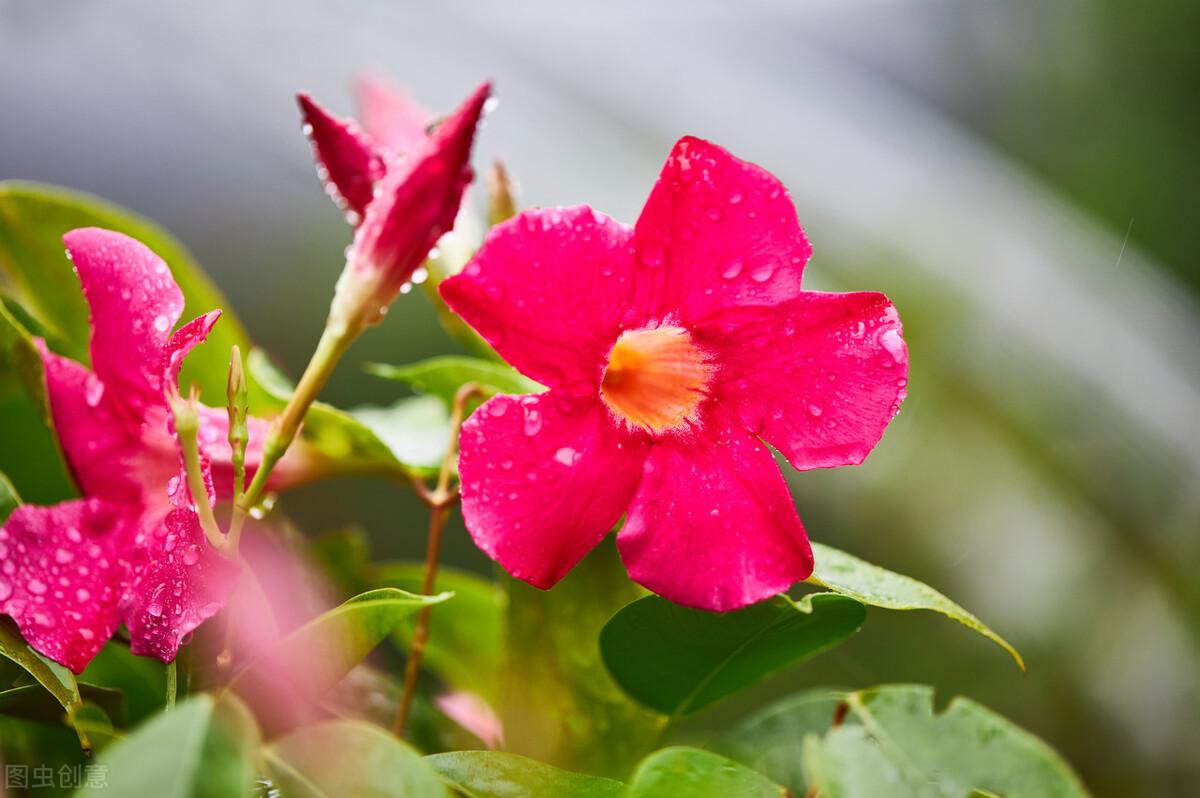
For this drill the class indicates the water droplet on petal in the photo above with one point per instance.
(762, 273)
(891, 341)
(567, 456)
(732, 270)
(5, 589)
(815, 411)
(36, 586)
(93, 390)
(497, 409)
(63, 556)
(734, 197)
(155, 609)
(161, 323)
(191, 556)
(172, 486)
(82, 595)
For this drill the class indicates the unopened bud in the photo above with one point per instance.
(414, 205)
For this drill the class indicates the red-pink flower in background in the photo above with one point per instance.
(402, 190)
(131, 550)
(672, 350)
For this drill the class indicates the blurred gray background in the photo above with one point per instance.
(1020, 177)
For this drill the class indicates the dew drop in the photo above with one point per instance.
(732, 270)
(734, 197)
(567, 456)
(533, 421)
(63, 556)
(93, 390)
(191, 556)
(172, 486)
(86, 634)
(155, 609)
(762, 273)
(651, 255)
(893, 343)
(5, 589)
(161, 323)
(36, 586)
(81, 595)
(497, 409)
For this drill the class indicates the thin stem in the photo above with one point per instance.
(439, 501)
(335, 340)
(195, 479)
(172, 685)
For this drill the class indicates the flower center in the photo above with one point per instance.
(656, 377)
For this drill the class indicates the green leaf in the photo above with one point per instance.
(557, 702)
(36, 272)
(204, 748)
(306, 663)
(341, 759)
(691, 773)
(860, 580)
(9, 500)
(678, 660)
(33, 702)
(464, 649)
(442, 376)
(415, 430)
(19, 357)
(771, 740)
(894, 744)
(491, 774)
(54, 677)
(418, 433)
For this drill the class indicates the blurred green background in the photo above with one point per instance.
(1020, 177)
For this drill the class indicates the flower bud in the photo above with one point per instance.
(415, 204)
(502, 200)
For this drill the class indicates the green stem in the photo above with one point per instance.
(335, 340)
(195, 477)
(172, 685)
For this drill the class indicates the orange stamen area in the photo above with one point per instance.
(656, 378)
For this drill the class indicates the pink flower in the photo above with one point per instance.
(672, 351)
(131, 550)
(406, 193)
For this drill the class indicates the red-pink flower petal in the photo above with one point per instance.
(177, 582)
(96, 433)
(415, 206)
(60, 571)
(182, 341)
(392, 118)
(549, 290)
(544, 479)
(134, 303)
(712, 525)
(347, 160)
(818, 377)
(716, 231)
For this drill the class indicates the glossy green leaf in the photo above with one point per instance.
(282, 684)
(442, 376)
(341, 759)
(418, 433)
(894, 744)
(691, 773)
(9, 500)
(492, 774)
(36, 272)
(20, 362)
(860, 580)
(34, 702)
(558, 704)
(464, 649)
(204, 748)
(771, 740)
(415, 430)
(678, 660)
(54, 677)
